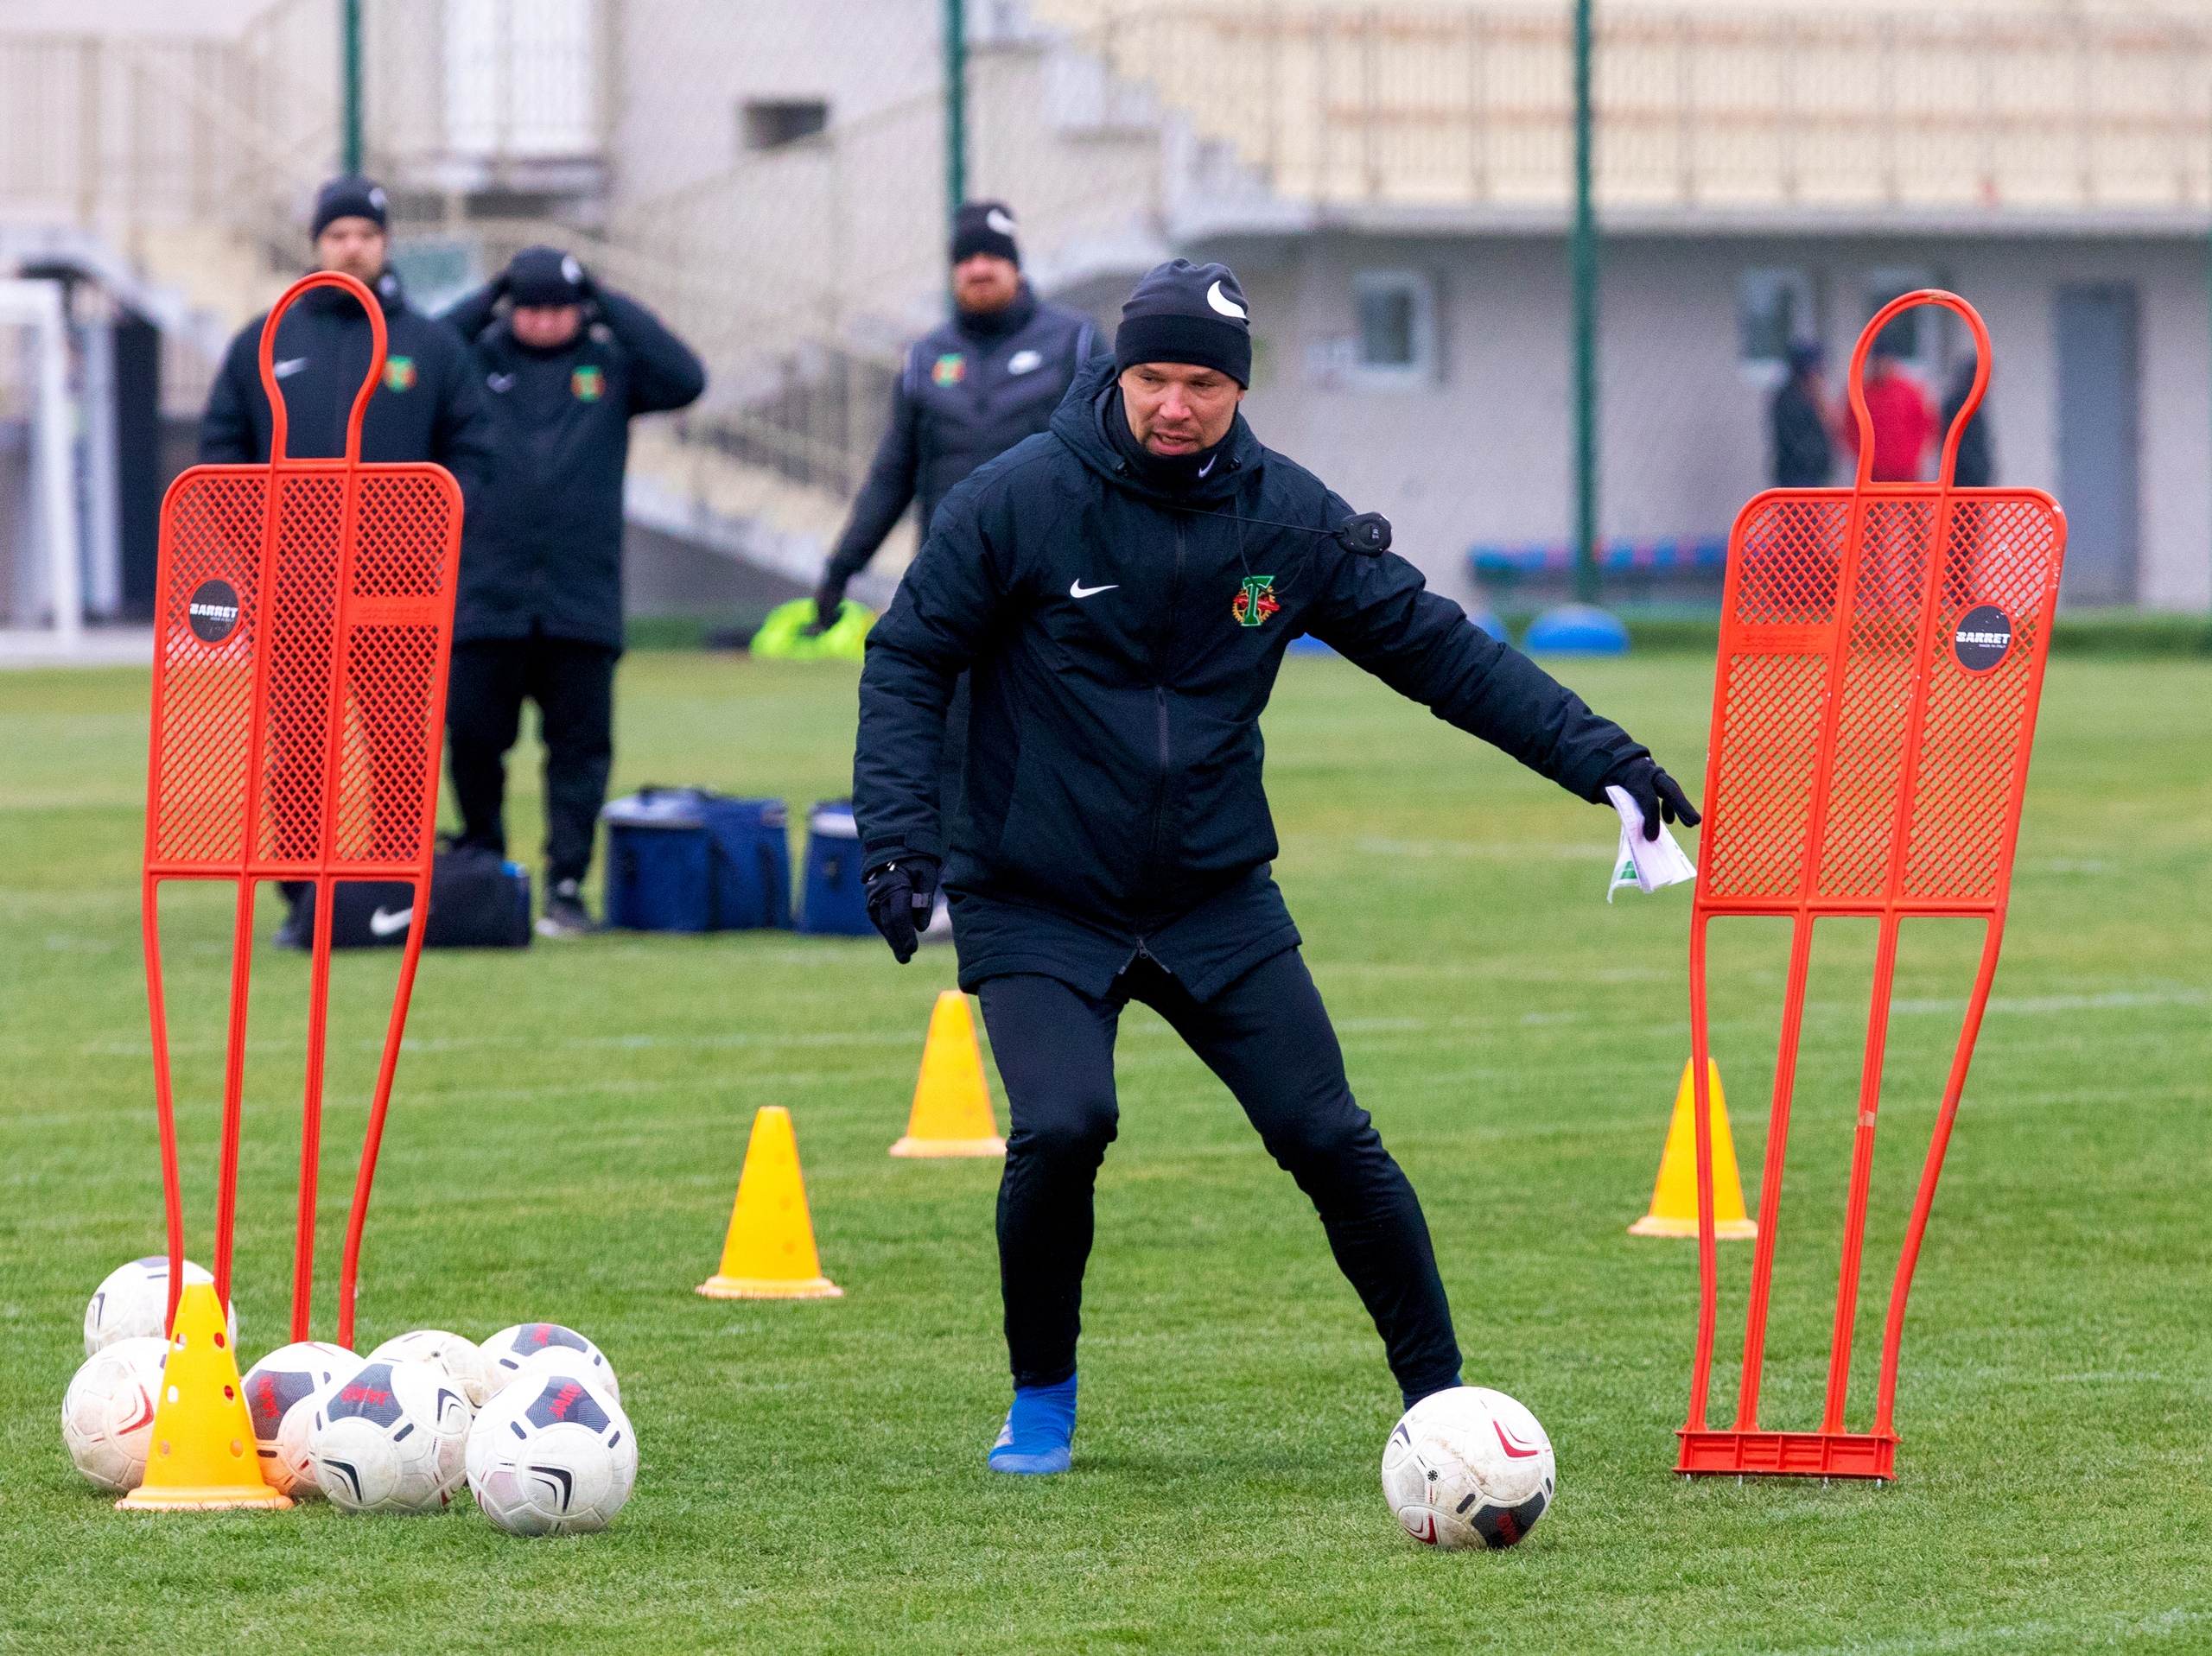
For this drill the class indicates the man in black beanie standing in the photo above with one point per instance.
(969, 390)
(565, 364)
(427, 406)
(1120, 591)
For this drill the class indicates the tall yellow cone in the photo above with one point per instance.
(769, 1252)
(1674, 1199)
(202, 1454)
(952, 1102)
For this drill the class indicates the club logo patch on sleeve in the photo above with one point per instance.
(1255, 600)
(1983, 638)
(399, 373)
(212, 614)
(587, 383)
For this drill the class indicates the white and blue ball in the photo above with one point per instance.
(1468, 1467)
(280, 1394)
(133, 1303)
(389, 1438)
(552, 1455)
(544, 1348)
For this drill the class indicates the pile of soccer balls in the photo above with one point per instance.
(532, 1418)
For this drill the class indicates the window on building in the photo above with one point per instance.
(1914, 338)
(1774, 311)
(767, 124)
(1396, 338)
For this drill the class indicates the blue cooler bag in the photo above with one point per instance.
(834, 900)
(686, 859)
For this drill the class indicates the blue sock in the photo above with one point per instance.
(1038, 1429)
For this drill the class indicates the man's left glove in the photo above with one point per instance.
(899, 898)
(1656, 794)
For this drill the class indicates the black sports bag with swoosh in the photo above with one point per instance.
(478, 900)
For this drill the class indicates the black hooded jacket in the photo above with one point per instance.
(429, 406)
(1122, 640)
(545, 551)
(969, 390)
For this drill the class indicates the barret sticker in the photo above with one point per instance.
(949, 369)
(1255, 600)
(399, 373)
(587, 383)
(1983, 638)
(212, 611)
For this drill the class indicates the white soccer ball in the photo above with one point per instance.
(1467, 1468)
(389, 1438)
(280, 1394)
(552, 1455)
(133, 1303)
(463, 1361)
(107, 1415)
(510, 1352)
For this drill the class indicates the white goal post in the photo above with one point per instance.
(35, 308)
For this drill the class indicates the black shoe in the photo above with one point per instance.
(565, 916)
(296, 931)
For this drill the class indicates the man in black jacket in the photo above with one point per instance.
(1121, 590)
(969, 390)
(539, 614)
(427, 406)
(1798, 424)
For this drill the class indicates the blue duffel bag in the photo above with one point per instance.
(834, 900)
(686, 859)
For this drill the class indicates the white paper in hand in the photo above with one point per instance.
(1645, 864)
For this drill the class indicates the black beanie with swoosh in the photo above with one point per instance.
(1187, 313)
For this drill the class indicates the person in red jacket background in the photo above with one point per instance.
(1903, 418)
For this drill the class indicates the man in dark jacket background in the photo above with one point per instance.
(1798, 424)
(1121, 590)
(564, 365)
(969, 390)
(427, 406)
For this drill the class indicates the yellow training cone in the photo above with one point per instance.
(952, 1103)
(202, 1456)
(1674, 1199)
(769, 1252)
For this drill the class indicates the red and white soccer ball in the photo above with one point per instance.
(389, 1438)
(552, 1455)
(133, 1303)
(107, 1415)
(544, 1348)
(280, 1394)
(462, 1360)
(1468, 1467)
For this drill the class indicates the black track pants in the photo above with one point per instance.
(573, 684)
(1268, 1037)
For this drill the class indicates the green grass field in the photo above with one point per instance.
(568, 1121)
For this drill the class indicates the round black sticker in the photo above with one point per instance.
(213, 611)
(1985, 635)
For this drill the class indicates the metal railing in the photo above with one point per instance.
(1697, 108)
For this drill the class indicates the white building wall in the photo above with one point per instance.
(1483, 452)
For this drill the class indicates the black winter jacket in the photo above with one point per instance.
(544, 553)
(429, 407)
(1121, 644)
(970, 390)
(1804, 453)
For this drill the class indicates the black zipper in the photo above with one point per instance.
(1163, 639)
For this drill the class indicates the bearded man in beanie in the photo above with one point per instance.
(565, 364)
(1120, 591)
(969, 391)
(427, 407)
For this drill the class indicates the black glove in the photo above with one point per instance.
(828, 598)
(1656, 794)
(899, 898)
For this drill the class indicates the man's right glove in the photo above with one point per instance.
(899, 898)
(828, 598)
(1656, 794)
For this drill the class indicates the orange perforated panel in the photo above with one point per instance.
(303, 633)
(204, 663)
